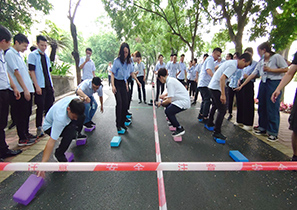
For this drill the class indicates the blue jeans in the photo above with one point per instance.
(268, 111)
(90, 109)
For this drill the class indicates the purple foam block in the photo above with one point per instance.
(80, 142)
(27, 191)
(90, 129)
(177, 138)
(69, 156)
(172, 128)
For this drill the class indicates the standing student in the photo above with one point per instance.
(62, 120)
(183, 71)
(18, 70)
(245, 97)
(5, 84)
(197, 72)
(217, 86)
(87, 65)
(271, 69)
(175, 100)
(109, 72)
(121, 71)
(207, 71)
(139, 70)
(85, 90)
(39, 69)
(170, 61)
(293, 116)
(159, 65)
(173, 68)
(191, 73)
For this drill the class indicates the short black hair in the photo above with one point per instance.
(77, 107)
(205, 55)
(237, 54)
(89, 49)
(249, 49)
(40, 38)
(246, 56)
(230, 55)
(175, 54)
(32, 48)
(21, 38)
(4, 34)
(171, 55)
(160, 56)
(162, 72)
(217, 49)
(96, 81)
(182, 55)
(137, 54)
(195, 59)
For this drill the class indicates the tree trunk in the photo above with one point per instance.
(75, 53)
(53, 51)
(238, 43)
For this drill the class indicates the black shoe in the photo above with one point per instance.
(200, 116)
(60, 158)
(125, 128)
(26, 142)
(11, 125)
(219, 136)
(81, 136)
(128, 120)
(88, 125)
(128, 113)
(230, 117)
(31, 136)
(193, 103)
(204, 120)
(139, 102)
(92, 123)
(144, 102)
(294, 158)
(259, 132)
(10, 153)
(178, 132)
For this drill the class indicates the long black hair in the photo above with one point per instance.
(267, 47)
(121, 53)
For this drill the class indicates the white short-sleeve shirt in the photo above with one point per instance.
(88, 68)
(204, 77)
(178, 93)
(182, 68)
(4, 80)
(173, 68)
(227, 68)
(140, 68)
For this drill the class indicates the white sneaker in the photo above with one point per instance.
(247, 127)
(238, 124)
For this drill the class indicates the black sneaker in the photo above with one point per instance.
(128, 113)
(30, 136)
(193, 103)
(294, 158)
(88, 125)
(200, 116)
(128, 120)
(81, 136)
(144, 102)
(125, 128)
(259, 132)
(60, 158)
(10, 153)
(256, 127)
(139, 102)
(272, 138)
(178, 132)
(230, 117)
(26, 142)
(219, 136)
(92, 123)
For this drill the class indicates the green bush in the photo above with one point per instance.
(102, 75)
(60, 69)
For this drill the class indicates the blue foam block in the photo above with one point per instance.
(122, 131)
(220, 141)
(128, 123)
(200, 120)
(129, 116)
(237, 156)
(209, 128)
(27, 191)
(115, 142)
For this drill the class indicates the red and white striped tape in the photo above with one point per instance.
(148, 166)
(161, 186)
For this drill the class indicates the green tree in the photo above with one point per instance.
(18, 16)
(56, 39)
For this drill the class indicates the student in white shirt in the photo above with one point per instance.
(207, 71)
(183, 71)
(171, 59)
(159, 65)
(175, 100)
(19, 73)
(141, 74)
(217, 88)
(87, 65)
(173, 67)
(109, 72)
(192, 75)
(5, 84)
(271, 69)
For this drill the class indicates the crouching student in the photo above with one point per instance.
(175, 100)
(85, 90)
(63, 119)
(217, 89)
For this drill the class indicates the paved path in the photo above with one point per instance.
(139, 190)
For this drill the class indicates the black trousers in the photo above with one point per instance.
(170, 111)
(230, 98)
(196, 94)
(216, 105)
(44, 103)
(140, 79)
(68, 134)
(245, 104)
(206, 101)
(193, 87)
(159, 85)
(121, 97)
(22, 109)
(4, 107)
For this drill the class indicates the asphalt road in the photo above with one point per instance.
(139, 190)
